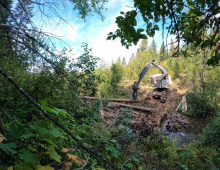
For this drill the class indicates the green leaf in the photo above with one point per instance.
(122, 13)
(55, 110)
(48, 109)
(109, 37)
(53, 153)
(135, 159)
(28, 156)
(62, 112)
(26, 136)
(45, 101)
(49, 141)
(114, 141)
(55, 132)
(40, 167)
(21, 167)
(129, 165)
(9, 147)
(140, 30)
(38, 129)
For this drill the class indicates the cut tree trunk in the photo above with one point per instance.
(113, 99)
(137, 107)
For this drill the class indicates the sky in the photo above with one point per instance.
(93, 31)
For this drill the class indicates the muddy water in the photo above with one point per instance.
(188, 134)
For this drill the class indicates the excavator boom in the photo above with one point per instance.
(161, 81)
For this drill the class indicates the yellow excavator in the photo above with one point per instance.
(160, 81)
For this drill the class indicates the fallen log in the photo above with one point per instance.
(113, 99)
(137, 107)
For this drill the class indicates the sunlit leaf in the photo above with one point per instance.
(53, 153)
(2, 138)
(73, 157)
(66, 149)
(10, 168)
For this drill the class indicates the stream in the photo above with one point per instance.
(188, 134)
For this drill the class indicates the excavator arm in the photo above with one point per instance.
(135, 86)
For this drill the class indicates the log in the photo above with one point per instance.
(137, 107)
(113, 99)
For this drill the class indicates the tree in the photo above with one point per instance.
(132, 57)
(4, 13)
(154, 48)
(163, 53)
(119, 60)
(143, 45)
(116, 75)
(190, 21)
(172, 48)
(23, 13)
(123, 61)
(20, 108)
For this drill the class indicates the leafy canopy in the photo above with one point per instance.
(192, 21)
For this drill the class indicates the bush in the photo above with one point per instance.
(197, 156)
(199, 105)
(211, 135)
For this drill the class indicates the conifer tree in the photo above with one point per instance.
(119, 60)
(123, 61)
(23, 13)
(4, 13)
(172, 48)
(154, 46)
(132, 57)
(163, 53)
(143, 45)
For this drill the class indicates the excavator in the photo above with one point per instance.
(160, 81)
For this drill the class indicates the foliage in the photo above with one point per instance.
(186, 20)
(128, 34)
(197, 156)
(28, 140)
(211, 134)
(111, 78)
(199, 105)
(85, 8)
(86, 63)
(116, 75)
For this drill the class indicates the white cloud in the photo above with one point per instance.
(110, 50)
(95, 32)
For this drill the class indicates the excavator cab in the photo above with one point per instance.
(160, 80)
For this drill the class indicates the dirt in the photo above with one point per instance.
(144, 122)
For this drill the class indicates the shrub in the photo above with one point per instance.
(211, 135)
(197, 156)
(199, 105)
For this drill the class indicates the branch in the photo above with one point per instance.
(79, 142)
(14, 121)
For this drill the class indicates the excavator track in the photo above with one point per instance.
(160, 94)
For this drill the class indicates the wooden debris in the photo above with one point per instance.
(113, 99)
(137, 107)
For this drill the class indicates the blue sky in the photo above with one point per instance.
(93, 31)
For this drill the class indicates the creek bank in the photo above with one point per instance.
(183, 129)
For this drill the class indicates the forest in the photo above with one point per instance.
(62, 113)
